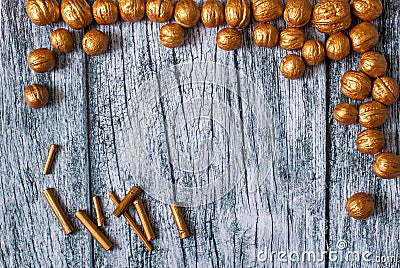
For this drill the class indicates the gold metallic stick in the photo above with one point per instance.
(93, 229)
(144, 219)
(132, 223)
(99, 212)
(179, 221)
(60, 214)
(128, 199)
(50, 158)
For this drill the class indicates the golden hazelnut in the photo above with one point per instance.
(360, 206)
(297, 13)
(366, 10)
(105, 12)
(62, 40)
(95, 42)
(76, 13)
(370, 141)
(372, 114)
(42, 60)
(338, 46)
(36, 96)
(265, 35)
(43, 12)
(159, 10)
(131, 10)
(292, 67)
(292, 39)
(345, 113)
(331, 16)
(364, 37)
(237, 13)
(385, 90)
(373, 64)
(386, 166)
(187, 13)
(229, 39)
(172, 35)
(212, 13)
(356, 85)
(267, 10)
(313, 52)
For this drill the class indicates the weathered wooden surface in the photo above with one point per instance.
(299, 208)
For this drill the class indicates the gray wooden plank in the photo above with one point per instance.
(30, 235)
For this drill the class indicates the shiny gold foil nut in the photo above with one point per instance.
(131, 10)
(355, 85)
(42, 60)
(237, 13)
(292, 39)
(338, 46)
(36, 96)
(366, 10)
(105, 12)
(266, 10)
(42, 12)
(62, 40)
(297, 13)
(212, 13)
(313, 52)
(265, 35)
(229, 39)
(187, 13)
(345, 114)
(385, 90)
(331, 16)
(364, 37)
(172, 35)
(373, 64)
(372, 114)
(76, 13)
(292, 67)
(95, 42)
(370, 141)
(387, 166)
(159, 10)
(360, 206)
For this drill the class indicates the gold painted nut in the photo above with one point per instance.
(159, 10)
(267, 10)
(105, 12)
(95, 42)
(313, 52)
(387, 166)
(332, 16)
(345, 114)
(292, 67)
(360, 206)
(42, 12)
(237, 13)
(292, 39)
(62, 40)
(364, 37)
(338, 46)
(297, 13)
(229, 39)
(373, 64)
(131, 10)
(36, 96)
(385, 90)
(76, 13)
(187, 13)
(372, 114)
(366, 10)
(42, 60)
(355, 85)
(172, 35)
(370, 141)
(265, 35)
(212, 13)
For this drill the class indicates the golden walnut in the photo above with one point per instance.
(131, 10)
(364, 37)
(95, 42)
(372, 114)
(265, 35)
(356, 85)
(42, 60)
(187, 13)
(297, 13)
(360, 206)
(370, 141)
(76, 13)
(267, 10)
(36, 96)
(292, 39)
(292, 67)
(42, 12)
(313, 52)
(159, 10)
(105, 12)
(345, 113)
(385, 90)
(387, 166)
(237, 13)
(172, 35)
(229, 39)
(62, 40)
(331, 16)
(366, 10)
(212, 13)
(338, 46)
(373, 64)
